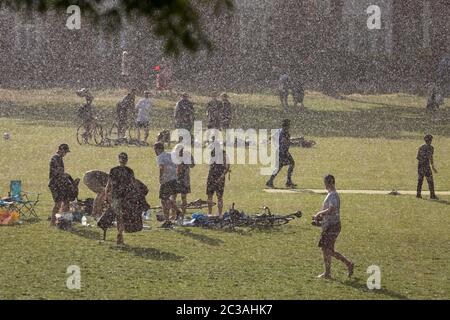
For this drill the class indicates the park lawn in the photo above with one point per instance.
(406, 237)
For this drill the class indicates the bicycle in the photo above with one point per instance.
(95, 134)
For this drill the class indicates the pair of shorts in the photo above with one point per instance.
(168, 189)
(217, 187)
(284, 94)
(59, 191)
(143, 124)
(183, 188)
(329, 236)
(424, 171)
(286, 159)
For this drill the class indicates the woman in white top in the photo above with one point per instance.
(331, 227)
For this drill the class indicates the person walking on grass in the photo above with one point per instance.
(218, 169)
(120, 184)
(169, 187)
(331, 227)
(284, 156)
(58, 182)
(426, 167)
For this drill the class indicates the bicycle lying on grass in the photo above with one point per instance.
(235, 218)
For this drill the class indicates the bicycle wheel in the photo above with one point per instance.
(81, 134)
(271, 221)
(97, 134)
(114, 132)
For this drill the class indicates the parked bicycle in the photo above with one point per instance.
(94, 134)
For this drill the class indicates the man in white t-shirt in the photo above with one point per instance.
(169, 187)
(143, 108)
(331, 227)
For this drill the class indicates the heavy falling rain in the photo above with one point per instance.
(224, 150)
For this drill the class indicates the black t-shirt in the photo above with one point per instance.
(425, 154)
(122, 181)
(285, 142)
(56, 167)
(184, 114)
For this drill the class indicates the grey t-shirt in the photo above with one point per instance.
(170, 168)
(332, 200)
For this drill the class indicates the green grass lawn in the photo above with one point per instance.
(367, 142)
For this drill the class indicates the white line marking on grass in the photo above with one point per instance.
(322, 191)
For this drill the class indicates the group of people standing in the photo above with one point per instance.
(294, 85)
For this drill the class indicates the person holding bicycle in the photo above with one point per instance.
(143, 115)
(124, 108)
(86, 113)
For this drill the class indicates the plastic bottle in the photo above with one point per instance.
(84, 221)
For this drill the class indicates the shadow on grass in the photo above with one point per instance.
(386, 121)
(149, 253)
(355, 283)
(87, 233)
(200, 237)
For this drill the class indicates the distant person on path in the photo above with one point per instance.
(169, 187)
(284, 156)
(443, 75)
(426, 167)
(331, 227)
(143, 108)
(58, 182)
(120, 183)
(184, 113)
(284, 83)
(226, 113)
(124, 108)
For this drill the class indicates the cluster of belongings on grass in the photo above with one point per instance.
(133, 205)
(302, 142)
(295, 142)
(9, 217)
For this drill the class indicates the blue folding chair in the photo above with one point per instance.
(23, 203)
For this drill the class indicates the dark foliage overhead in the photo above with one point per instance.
(177, 22)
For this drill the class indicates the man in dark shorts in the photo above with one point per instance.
(216, 181)
(331, 227)
(58, 182)
(184, 113)
(426, 167)
(120, 183)
(184, 179)
(284, 156)
(124, 107)
(169, 187)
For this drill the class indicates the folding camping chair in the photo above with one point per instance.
(23, 203)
